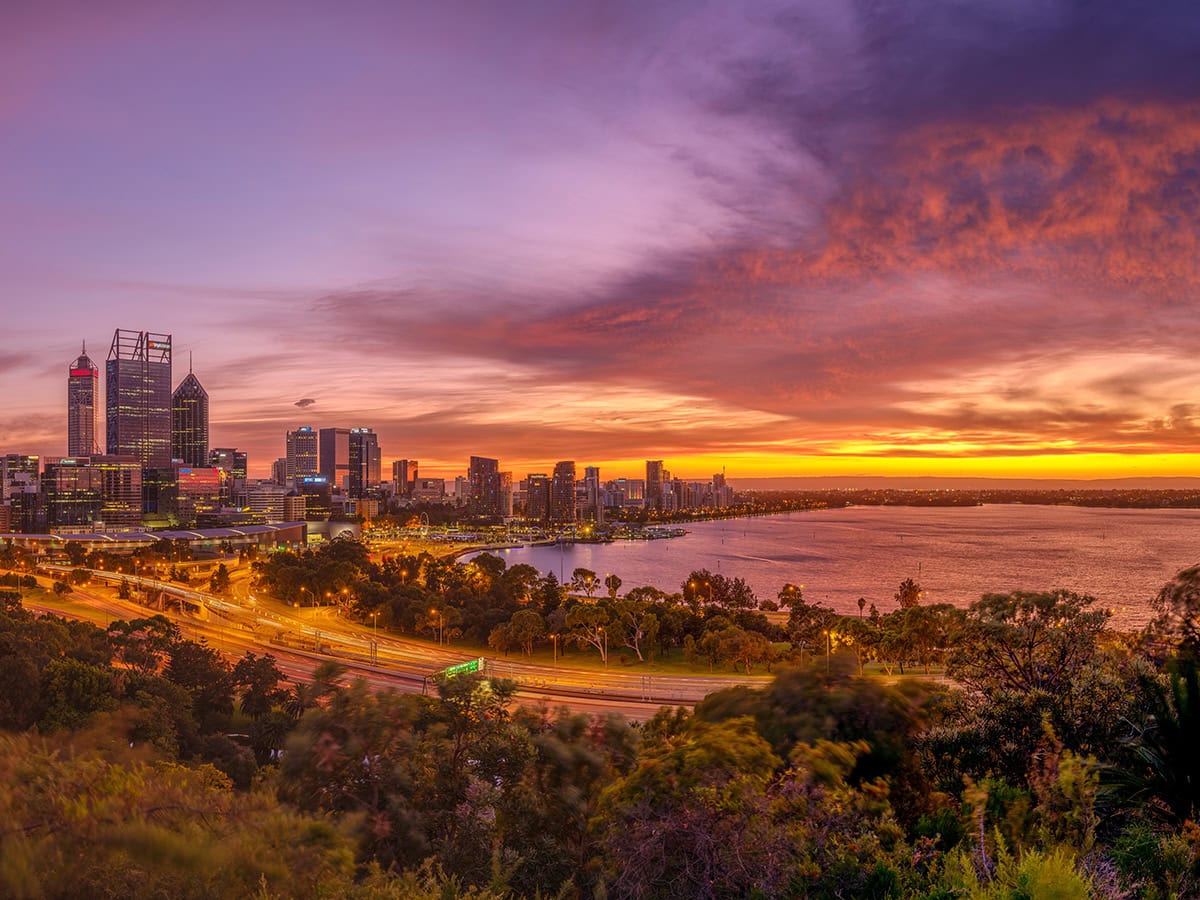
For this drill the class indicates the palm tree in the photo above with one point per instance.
(862, 604)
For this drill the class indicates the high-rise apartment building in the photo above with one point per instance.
(365, 462)
(334, 456)
(83, 391)
(655, 475)
(301, 454)
(537, 496)
(506, 494)
(404, 474)
(562, 492)
(483, 474)
(189, 422)
(138, 397)
(593, 494)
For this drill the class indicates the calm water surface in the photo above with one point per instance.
(1120, 556)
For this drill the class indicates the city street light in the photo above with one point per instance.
(441, 623)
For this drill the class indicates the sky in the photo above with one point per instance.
(935, 239)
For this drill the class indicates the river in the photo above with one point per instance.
(1120, 556)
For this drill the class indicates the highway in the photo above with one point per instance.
(300, 642)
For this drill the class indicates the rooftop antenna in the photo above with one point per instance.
(189, 362)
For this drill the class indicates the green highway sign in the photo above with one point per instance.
(471, 665)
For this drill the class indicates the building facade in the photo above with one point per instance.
(404, 476)
(562, 492)
(365, 462)
(189, 422)
(83, 392)
(483, 475)
(334, 456)
(301, 454)
(137, 382)
(93, 493)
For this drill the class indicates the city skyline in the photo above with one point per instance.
(662, 243)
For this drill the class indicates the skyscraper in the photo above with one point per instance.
(537, 496)
(364, 462)
(189, 422)
(83, 386)
(562, 492)
(483, 476)
(404, 474)
(301, 453)
(334, 456)
(594, 494)
(654, 483)
(138, 397)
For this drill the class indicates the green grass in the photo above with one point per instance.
(65, 605)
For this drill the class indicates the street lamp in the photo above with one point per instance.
(441, 623)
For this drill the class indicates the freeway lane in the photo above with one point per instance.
(300, 645)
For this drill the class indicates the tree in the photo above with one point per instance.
(143, 644)
(613, 584)
(588, 624)
(690, 820)
(61, 587)
(1027, 641)
(502, 639)
(742, 648)
(584, 580)
(220, 582)
(1164, 776)
(527, 627)
(1177, 610)
(75, 553)
(206, 676)
(549, 594)
(258, 679)
(909, 594)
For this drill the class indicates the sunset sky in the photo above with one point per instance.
(902, 238)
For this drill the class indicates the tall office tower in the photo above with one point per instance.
(301, 454)
(137, 383)
(562, 492)
(654, 483)
(279, 470)
(483, 474)
(537, 496)
(189, 422)
(365, 462)
(333, 459)
(404, 476)
(83, 386)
